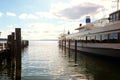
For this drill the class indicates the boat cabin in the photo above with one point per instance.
(115, 16)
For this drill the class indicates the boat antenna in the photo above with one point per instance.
(117, 4)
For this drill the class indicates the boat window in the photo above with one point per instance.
(119, 37)
(117, 16)
(111, 18)
(77, 38)
(93, 38)
(114, 17)
(80, 39)
(104, 38)
(84, 39)
(88, 38)
(113, 37)
(98, 38)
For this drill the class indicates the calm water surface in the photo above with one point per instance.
(44, 60)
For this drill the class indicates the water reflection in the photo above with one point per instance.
(8, 66)
(95, 68)
(6, 71)
(46, 61)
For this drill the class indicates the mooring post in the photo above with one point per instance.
(65, 47)
(18, 53)
(75, 51)
(12, 71)
(62, 44)
(27, 42)
(12, 47)
(69, 49)
(59, 43)
(9, 55)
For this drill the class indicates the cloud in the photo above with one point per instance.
(77, 11)
(48, 15)
(27, 16)
(13, 26)
(5, 33)
(47, 30)
(1, 14)
(42, 30)
(38, 31)
(74, 9)
(10, 14)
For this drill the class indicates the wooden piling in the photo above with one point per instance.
(13, 49)
(62, 44)
(69, 49)
(18, 53)
(65, 47)
(75, 51)
(9, 55)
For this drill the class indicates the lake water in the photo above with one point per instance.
(44, 60)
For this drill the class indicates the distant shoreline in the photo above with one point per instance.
(3, 39)
(44, 40)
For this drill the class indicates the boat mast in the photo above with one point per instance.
(117, 4)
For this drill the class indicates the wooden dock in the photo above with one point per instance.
(10, 54)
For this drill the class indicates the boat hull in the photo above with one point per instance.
(101, 51)
(109, 52)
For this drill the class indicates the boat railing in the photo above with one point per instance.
(114, 22)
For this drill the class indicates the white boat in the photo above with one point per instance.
(101, 37)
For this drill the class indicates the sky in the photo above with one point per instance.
(47, 19)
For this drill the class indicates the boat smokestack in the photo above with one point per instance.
(88, 20)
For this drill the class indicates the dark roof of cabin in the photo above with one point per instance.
(115, 12)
